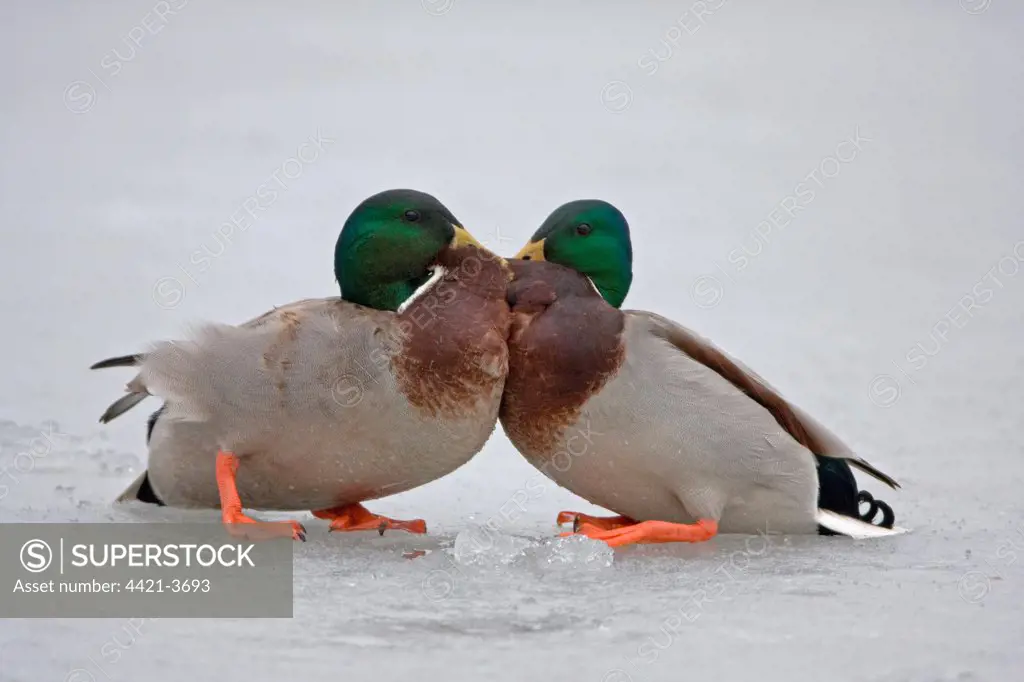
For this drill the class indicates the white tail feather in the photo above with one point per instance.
(854, 528)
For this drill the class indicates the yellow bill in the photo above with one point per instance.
(532, 251)
(464, 238)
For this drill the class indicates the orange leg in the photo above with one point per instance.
(601, 522)
(357, 517)
(653, 531)
(237, 523)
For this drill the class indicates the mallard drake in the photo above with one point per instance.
(644, 417)
(325, 403)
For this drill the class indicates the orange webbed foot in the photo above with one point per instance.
(353, 517)
(652, 532)
(235, 521)
(247, 528)
(602, 522)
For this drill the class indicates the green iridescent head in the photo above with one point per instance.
(592, 237)
(388, 245)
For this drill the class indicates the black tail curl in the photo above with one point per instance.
(874, 506)
(837, 492)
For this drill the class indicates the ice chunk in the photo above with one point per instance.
(488, 547)
(576, 551)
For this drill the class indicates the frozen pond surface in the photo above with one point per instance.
(890, 306)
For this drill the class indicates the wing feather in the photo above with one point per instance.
(801, 426)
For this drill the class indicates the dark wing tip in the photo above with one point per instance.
(122, 405)
(120, 361)
(868, 469)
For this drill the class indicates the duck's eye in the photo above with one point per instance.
(583, 229)
(412, 216)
